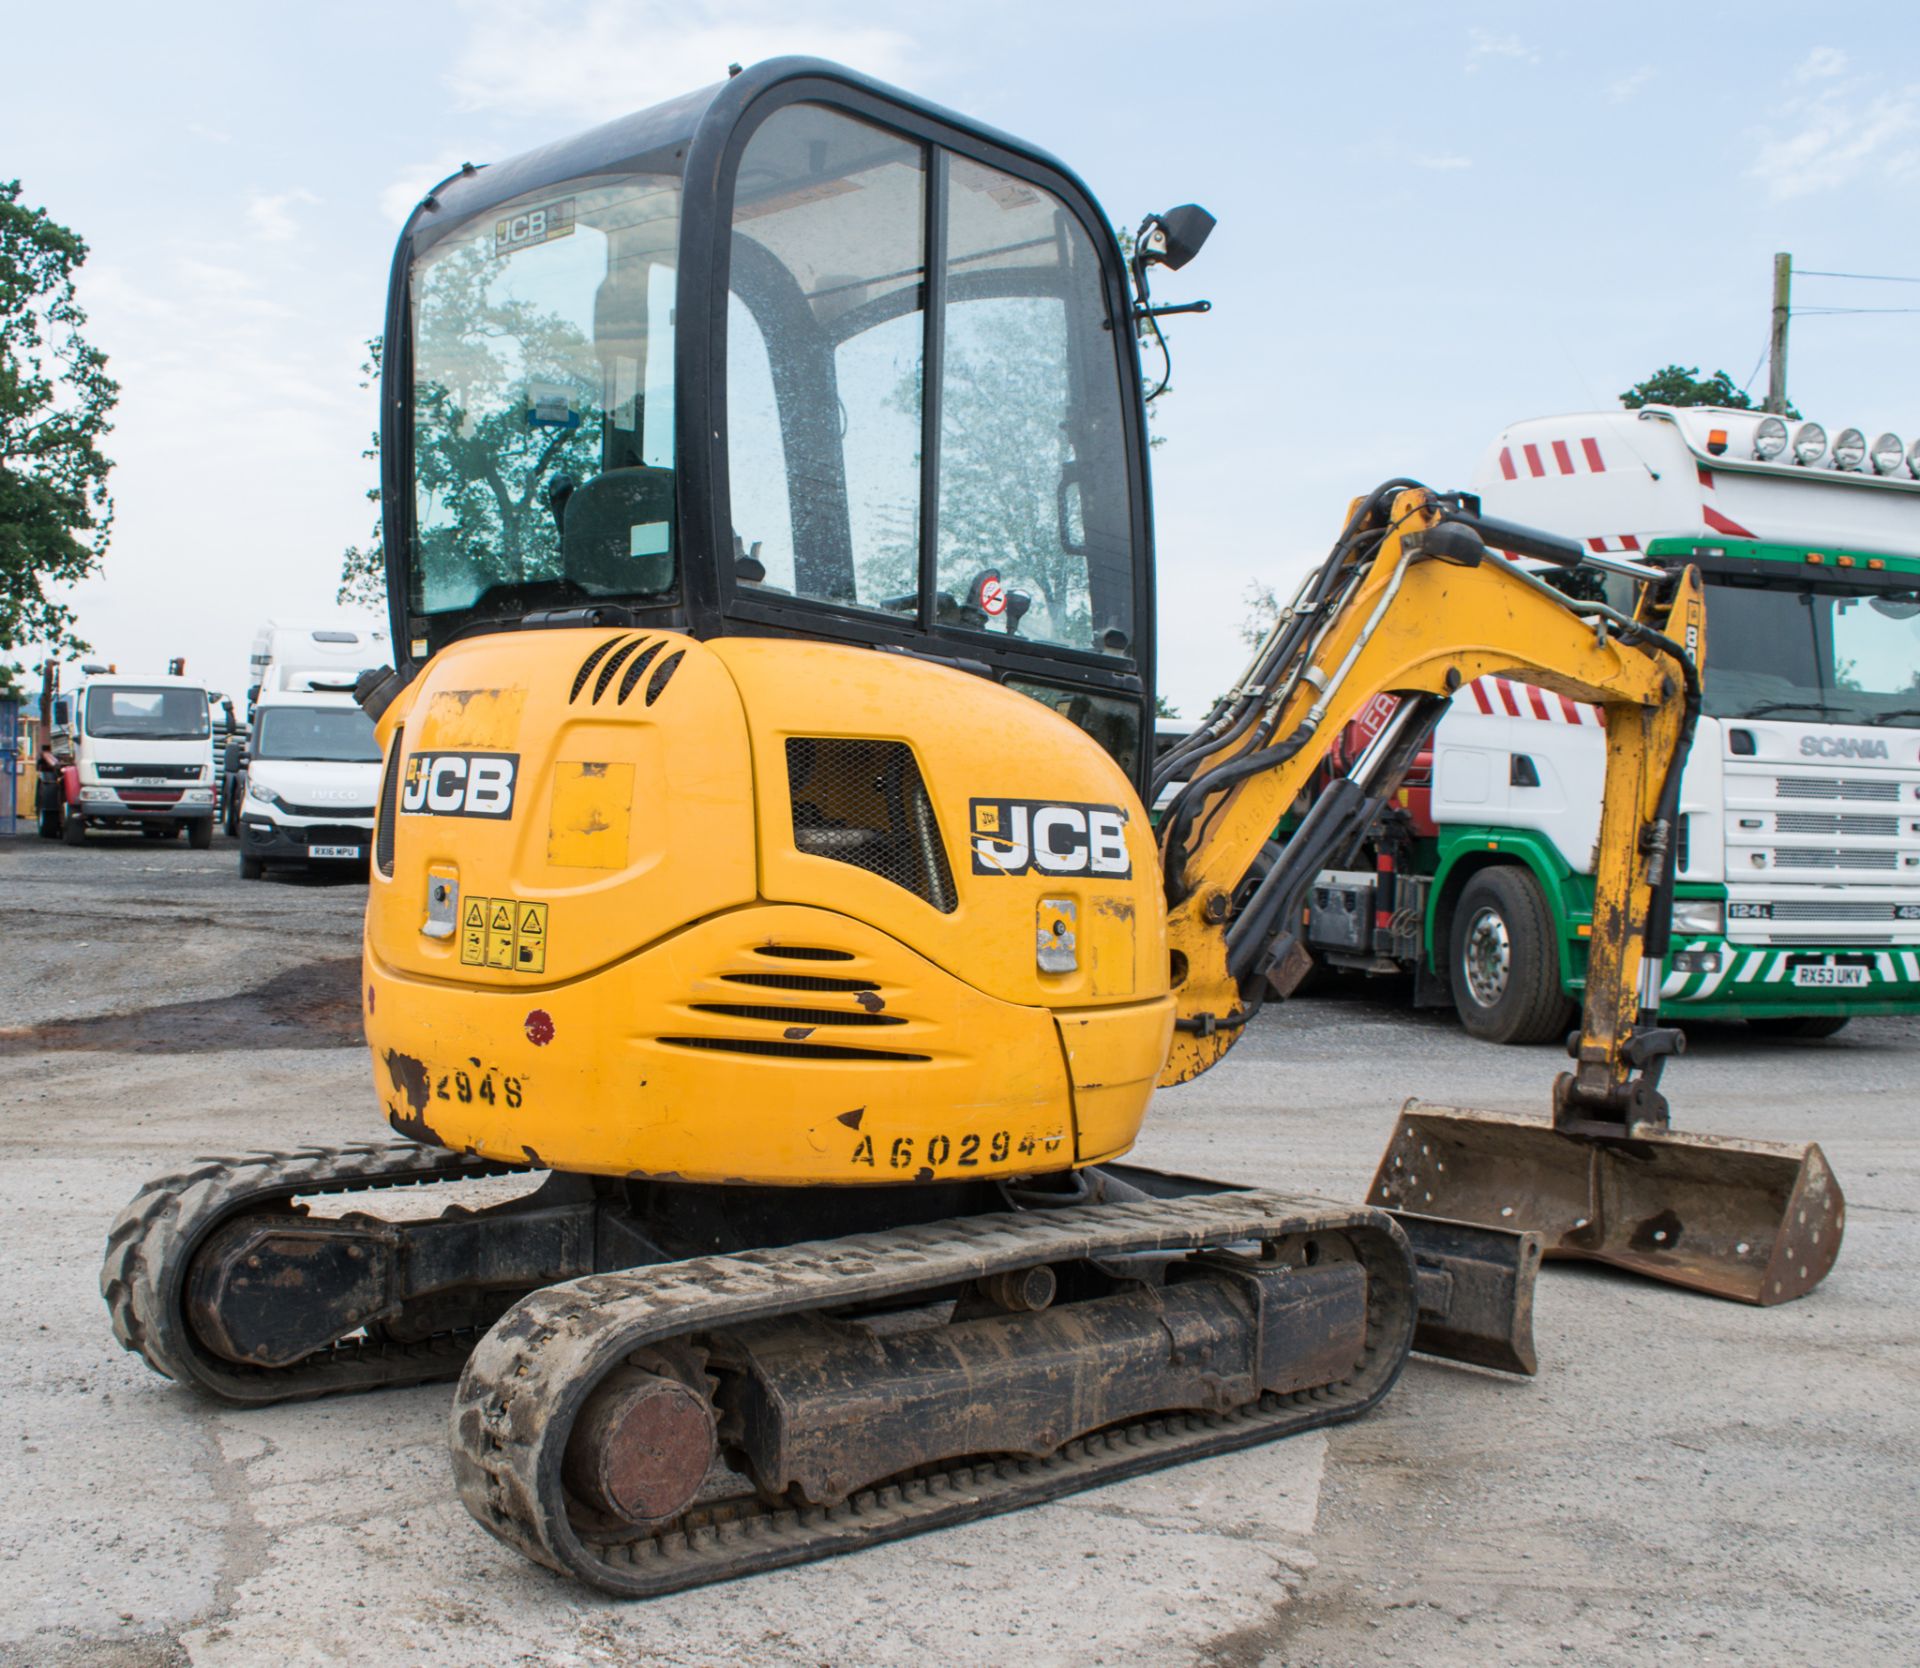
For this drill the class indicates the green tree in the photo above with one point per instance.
(363, 568)
(1684, 385)
(56, 405)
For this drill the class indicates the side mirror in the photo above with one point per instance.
(1174, 238)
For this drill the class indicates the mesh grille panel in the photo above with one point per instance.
(1834, 822)
(1795, 857)
(389, 804)
(863, 802)
(1793, 909)
(1835, 787)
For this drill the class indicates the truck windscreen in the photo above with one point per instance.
(331, 735)
(1793, 652)
(129, 713)
(542, 386)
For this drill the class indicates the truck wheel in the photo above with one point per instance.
(1505, 973)
(1798, 1027)
(74, 829)
(200, 833)
(251, 868)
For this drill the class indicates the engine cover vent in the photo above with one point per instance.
(863, 802)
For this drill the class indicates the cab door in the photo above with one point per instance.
(933, 435)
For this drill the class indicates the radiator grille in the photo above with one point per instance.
(864, 803)
(1836, 822)
(1790, 909)
(1836, 787)
(1796, 857)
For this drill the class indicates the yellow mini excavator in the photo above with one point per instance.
(762, 857)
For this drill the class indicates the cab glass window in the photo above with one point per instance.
(543, 400)
(1035, 530)
(825, 334)
(130, 714)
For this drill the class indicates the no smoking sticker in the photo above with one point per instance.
(993, 596)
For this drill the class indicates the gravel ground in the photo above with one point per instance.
(1686, 1481)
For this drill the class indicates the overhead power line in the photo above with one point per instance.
(1858, 277)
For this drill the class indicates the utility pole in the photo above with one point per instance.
(1777, 342)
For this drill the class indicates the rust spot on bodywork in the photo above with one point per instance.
(409, 1076)
(852, 1119)
(871, 1000)
(924, 1173)
(587, 769)
(798, 1033)
(539, 1027)
(1121, 909)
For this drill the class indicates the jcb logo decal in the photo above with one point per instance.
(1019, 836)
(460, 784)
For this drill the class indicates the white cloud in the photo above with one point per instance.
(1826, 140)
(592, 60)
(1822, 64)
(1486, 47)
(1445, 164)
(1629, 87)
(271, 213)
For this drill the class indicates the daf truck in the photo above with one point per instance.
(119, 751)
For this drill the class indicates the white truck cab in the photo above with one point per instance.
(127, 752)
(1797, 903)
(313, 774)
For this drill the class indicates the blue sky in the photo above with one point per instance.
(1434, 220)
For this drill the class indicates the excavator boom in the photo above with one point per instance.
(1417, 600)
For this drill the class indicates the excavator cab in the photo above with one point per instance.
(795, 356)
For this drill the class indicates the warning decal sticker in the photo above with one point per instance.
(507, 933)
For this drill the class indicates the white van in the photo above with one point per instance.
(312, 776)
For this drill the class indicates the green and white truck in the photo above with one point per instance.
(1798, 895)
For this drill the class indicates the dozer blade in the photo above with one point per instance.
(1757, 1221)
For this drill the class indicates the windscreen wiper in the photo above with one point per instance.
(1766, 707)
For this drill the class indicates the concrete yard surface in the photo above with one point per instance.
(1686, 1481)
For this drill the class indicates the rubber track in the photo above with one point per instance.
(525, 1383)
(153, 1241)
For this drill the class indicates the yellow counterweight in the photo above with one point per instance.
(757, 911)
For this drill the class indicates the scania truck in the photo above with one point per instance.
(1798, 897)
